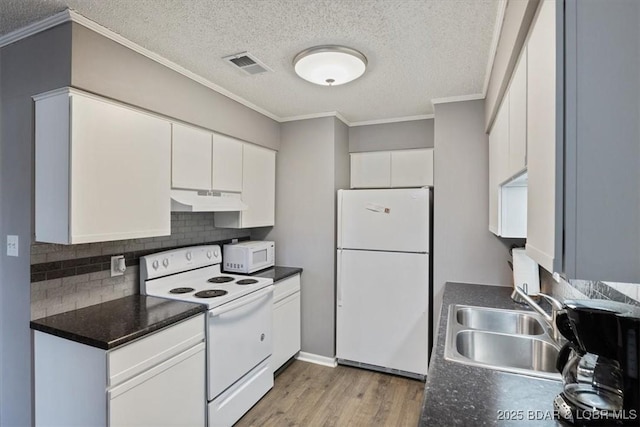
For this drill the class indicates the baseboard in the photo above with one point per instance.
(317, 359)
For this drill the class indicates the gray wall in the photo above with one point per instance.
(105, 67)
(30, 66)
(464, 248)
(391, 136)
(517, 20)
(312, 163)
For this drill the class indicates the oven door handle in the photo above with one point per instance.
(242, 301)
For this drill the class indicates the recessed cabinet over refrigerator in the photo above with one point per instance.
(383, 279)
(392, 169)
(102, 170)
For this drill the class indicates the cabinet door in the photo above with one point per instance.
(190, 158)
(518, 117)
(412, 168)
(120, 172)
(602, 111)
(542, 230)
(498, 159)
(371, 170)
(258, 186)
(286, 320)
(169, 394)
(227, 163)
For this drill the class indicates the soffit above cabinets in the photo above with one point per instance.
(417, 50)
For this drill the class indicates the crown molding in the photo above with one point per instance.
(70, 15)
(497, 30)
(335, 114)
(393, 120)
(459, 98)
(35, 27)
(94, 26)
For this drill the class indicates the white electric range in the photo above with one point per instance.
(239, 319)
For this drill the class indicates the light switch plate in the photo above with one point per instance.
(12, 245)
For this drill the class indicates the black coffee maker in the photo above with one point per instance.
(600, 363)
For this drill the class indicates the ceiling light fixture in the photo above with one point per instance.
(330, 65)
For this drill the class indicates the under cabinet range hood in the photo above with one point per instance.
(206, 201)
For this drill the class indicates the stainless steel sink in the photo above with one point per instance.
(506, 340)
(496, 320)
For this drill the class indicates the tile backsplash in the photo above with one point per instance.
(66, 277)
(582, 289)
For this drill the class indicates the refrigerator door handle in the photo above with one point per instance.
(339, 279)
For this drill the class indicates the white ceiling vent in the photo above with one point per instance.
(247, 63)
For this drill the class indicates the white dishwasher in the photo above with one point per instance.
(286, 320)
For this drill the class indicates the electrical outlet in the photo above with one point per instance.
(118, 265)
(12, 245)
(234, 240)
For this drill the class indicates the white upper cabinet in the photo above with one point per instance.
(518, 117)
(412, 168)
(392, 169)
(258, 190)
(543, 234)
(498, 164)
(190, 158)
(206, 161)
(227, 164)
(371, 170)
(102, 170)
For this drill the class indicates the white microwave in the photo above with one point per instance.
(247, 257)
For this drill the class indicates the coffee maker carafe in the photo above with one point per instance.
(599, 363)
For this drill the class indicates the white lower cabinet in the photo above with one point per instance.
(157, 380)
(286, 321)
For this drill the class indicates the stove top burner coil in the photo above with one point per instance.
(220, 279)
(210, 293)
(246, 282)
(181, 290)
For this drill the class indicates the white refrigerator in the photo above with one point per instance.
(383, 279)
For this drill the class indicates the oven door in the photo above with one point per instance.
(239, 338)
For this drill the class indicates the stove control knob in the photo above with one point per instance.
(155, 264)
(165, 262)
(188, 256)
(216, 253)
(209, 254)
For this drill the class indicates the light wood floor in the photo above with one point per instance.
(309, 395)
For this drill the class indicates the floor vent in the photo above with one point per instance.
(247, 63)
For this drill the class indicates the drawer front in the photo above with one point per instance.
(132, 359)
(286, 287)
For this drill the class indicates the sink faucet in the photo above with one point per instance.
(550, 319)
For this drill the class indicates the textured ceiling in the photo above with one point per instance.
(417, 50)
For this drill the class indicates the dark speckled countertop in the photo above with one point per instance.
(113, 323)
(278, 273)
(461, 395)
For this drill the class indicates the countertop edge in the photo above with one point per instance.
(278, 272)
(110, 345)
